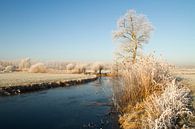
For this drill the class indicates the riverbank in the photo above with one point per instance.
(152, 96)
(189, 76)
(22, 82)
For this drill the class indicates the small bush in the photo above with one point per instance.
(38, 68)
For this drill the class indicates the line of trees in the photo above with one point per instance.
(27, 64)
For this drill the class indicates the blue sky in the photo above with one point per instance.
(81, 29)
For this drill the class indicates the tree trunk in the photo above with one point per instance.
(135, 48)
(100, 71)
(135, 54)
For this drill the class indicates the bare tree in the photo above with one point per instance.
(132, 31)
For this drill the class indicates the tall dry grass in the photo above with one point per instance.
(148, 96)
(137, 81)
(171, 109)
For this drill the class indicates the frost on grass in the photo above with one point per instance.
(26, 78)
(148, 96)
(171, 109)
(137, 81)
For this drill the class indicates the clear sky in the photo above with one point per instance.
(81, 29)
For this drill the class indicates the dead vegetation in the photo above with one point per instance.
(137, 81)
(148, 96)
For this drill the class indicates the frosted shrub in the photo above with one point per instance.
(137, 81)
(38, 68)
(147, 97)
(25, 64)
(70, 66)
(9, 68)
(171, 109)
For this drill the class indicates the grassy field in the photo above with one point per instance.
(185, 71)
(189, 75)
(24, 78)
(191, 80)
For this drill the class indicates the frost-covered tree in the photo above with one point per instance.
(98, 67)
(133, 30)
(25, 64)
(81, 68)
(38, 68)
(70, 66)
